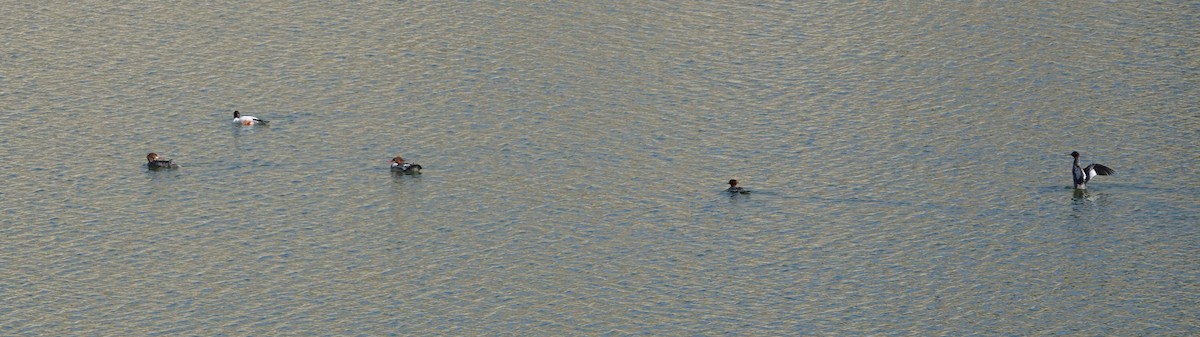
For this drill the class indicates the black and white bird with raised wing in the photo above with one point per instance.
(1082, 175)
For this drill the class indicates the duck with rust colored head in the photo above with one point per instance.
(154, 162)
(734, 188)
(399, 166)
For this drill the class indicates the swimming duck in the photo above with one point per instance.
(399, 166)
(154, 162)
(734, 188)
(1082, 175)
(246, 120)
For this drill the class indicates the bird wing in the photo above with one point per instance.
(1097, 169)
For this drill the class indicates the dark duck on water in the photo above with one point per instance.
(154, 162)
(734, 188)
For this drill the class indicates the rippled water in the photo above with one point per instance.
(908, 161)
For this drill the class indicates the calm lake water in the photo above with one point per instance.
(908, 161)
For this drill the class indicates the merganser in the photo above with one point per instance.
(1082, 175)
(734, 188)
(246, 120)
(399, 166)
(154, 162)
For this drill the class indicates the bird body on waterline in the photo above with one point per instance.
(734, 188)
(246, 120)
(399, 166)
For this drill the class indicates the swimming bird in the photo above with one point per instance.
(734, 188)
(399, 166)
(1082, 175)
(246, 120)
(154, 162)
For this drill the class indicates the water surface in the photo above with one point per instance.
(908, 161)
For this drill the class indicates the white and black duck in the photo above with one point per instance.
(239, 119)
